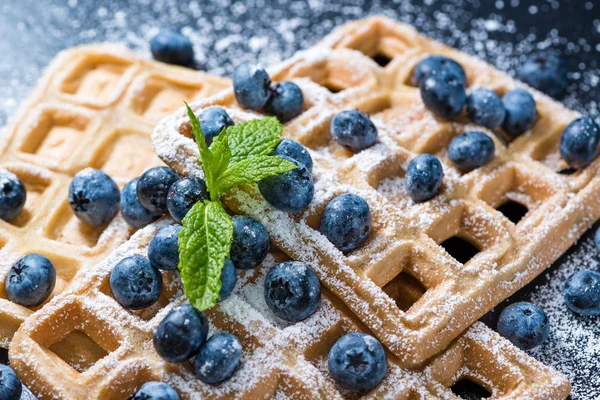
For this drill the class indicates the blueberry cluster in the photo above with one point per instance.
(253, 91)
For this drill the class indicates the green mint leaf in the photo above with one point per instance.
(220, 157)
(197, 132)
(253, 169)
(204, 242)
(257, 137)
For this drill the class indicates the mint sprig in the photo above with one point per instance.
(239, 155)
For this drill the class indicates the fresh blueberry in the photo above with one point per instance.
(443, 94)
(580, 142)
(424, 177)
(251, 86)
(153, 188)
(521, 112)
(346, 222)
(438, 64)
(291, 191)
(471, 150)
(135, 283)
(485, 108)
(12, 195)
(295, 151)
(156, 391)
(228, 279)
(250, 244)
(354, 130)
(357, 362)
(292, 291)
(286, 101)
(546, 72)
(524, 324)
(94, 197)
(582, 292)
(133, 212)
(172, 48)
(163, 252)
(218, 359)
(10, 385)
(597, 239)
(31, 280)
(212, 122)
(180, 334)
(183, 194)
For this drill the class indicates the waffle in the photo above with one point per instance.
(280, 361)
(94, 107)
(411, 240)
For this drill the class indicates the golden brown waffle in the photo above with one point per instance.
(406, 237)
(280, 361)
(94, 107)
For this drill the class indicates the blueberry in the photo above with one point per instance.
(286, 101)
(94, 197)
(133, 212)
(12, 195)
(163, 252)
(212, 122)
(582, 292)
(444, 95)
(156, 391)
(521, 112)
(250, 244)
(580, 142)
(180, 334)
(597, 239)
(354, 130)
(357, 362)
(346, 222)
(295, 151)
(524, 324)
(218, 359)
(251, 86)
(546, 72)
(291, 191)
(135, 283)
(10, 385)
(153, 188)
(471, 150)
(172, 48)
(183, 194)
(424, 177)
(31, 280)
(438, 64)
(485, 108)
(228, 279)
(292, 291)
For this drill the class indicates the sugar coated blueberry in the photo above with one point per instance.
(485, 108)
(438, 65)
(292, 291)
(135, 283)
(251, 86)
(354, 130)
(31, 280)
(180, 334)
(156, 391)
(424, 177)
(582, 292)
(286, 101)
(94, 197)
(346, 221)
(228, 279)
(218, 359)
(295, 151)
(250, 244)
(471, 150)
(183, 194)
(212, 122)
(580, 142)
(524, 324)
(291, 191)
(10, 385)
(153, 188)
(163, 252)
(357, 362)
(443, 94)
(12, 195)
(521, 112)
(132, 210)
